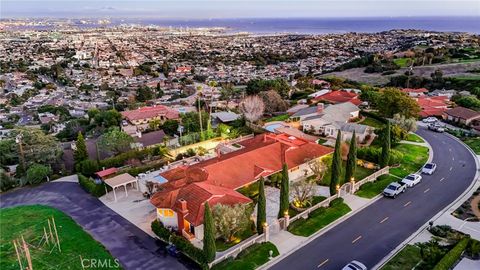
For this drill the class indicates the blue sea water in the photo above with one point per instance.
(329, 25)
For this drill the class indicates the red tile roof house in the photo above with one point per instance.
(180, 201)
(432, 106)
(415, 92)
(340, 96)
(140, 117)
(462, 115)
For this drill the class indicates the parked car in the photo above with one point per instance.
(412, 179)
(394, 189)
(355, 265)
(429, 168)
(436, 127)
(430, 119)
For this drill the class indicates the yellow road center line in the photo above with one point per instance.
(322, 263)
(356, 239)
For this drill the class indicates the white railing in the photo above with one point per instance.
(235, 250)
(372, 177)
(241, 138)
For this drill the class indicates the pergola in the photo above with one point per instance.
(121, 180)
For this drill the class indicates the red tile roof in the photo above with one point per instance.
(150, 112)
(340, 96)
(262, 155)
(432, 106)
(106, 172)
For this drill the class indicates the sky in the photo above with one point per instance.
(208, 9)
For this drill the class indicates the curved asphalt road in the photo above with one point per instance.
(134, 248)
(369, 235)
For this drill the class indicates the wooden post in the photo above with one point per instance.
(27, 254)
(18, 254)
(56, 234)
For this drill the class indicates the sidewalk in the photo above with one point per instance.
(71, 178)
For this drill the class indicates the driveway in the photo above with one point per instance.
(372, 233)
(134, 248)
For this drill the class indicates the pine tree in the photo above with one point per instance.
(209, 248)
(336, 164)
(80, 153)
(351, 159)
(385, 156)
(284, 192)
(261, 207)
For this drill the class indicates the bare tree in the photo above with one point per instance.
(303, 192)
(152, 187)
(407, 124)
(252, 107)
(318, 168)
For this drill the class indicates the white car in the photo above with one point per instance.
(429, 168)
(412, 180)
(355, 265)
(430, 120)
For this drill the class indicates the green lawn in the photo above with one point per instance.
(29, 221)
(251, 258)
(222, 246)
(372, 189)
(406, 259)
(281, 117)
(402, 62)
(360, 173)
(318, 219)
(414, 138)
(414, 157)
(474, 143)
(369, 121)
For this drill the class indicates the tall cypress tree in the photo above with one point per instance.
(351, 158)
(261, 207)
(385, 156)
(336, 164)
(209, 248)
(80, 153)
(284, 191)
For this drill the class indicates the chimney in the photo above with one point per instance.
(320, 107)
(182, 211)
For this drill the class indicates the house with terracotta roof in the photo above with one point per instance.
(415, 92)
(432, 106)
(138, 119)
(462, 115)
(180, 201)
(340, 96)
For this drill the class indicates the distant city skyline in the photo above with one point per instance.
(206, 9)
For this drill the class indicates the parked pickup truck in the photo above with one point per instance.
(394, 189)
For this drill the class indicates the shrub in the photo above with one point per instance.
(87, 167)
(452, 256)
(6, 182)
(440, 230)
(160, 230)
(37, 173)
(336, 202)
(473, 249)
(90, 186)
(372, 154)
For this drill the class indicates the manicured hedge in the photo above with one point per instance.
(160, 230)
(372, 154)
(90, 186)
(452, 256)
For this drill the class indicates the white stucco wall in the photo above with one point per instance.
(199, 232)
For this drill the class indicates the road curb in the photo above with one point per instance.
(476, 178)
(318, 234)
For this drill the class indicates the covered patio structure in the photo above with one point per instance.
(121, 180)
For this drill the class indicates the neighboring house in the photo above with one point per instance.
(140, 117)
(149, 139)
(415, 92)
(361, 131)
(323, 122)
(308, 112)
(224, 117)
(340, 96)
(432, 106)
(444, 93)
(180, 201)
(462, 115)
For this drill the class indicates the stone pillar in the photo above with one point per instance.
(287, 219)
(266, 232)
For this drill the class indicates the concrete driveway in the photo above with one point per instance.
(133, 247)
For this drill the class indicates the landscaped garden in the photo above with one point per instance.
(474, 143)
(370, 121)
(442, 252)
(249, 259)
(414, 157)
(319, 218)
(360, 173)
(29, 222)
(466, 211)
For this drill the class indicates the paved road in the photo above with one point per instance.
(134, 248)
(369, 235)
